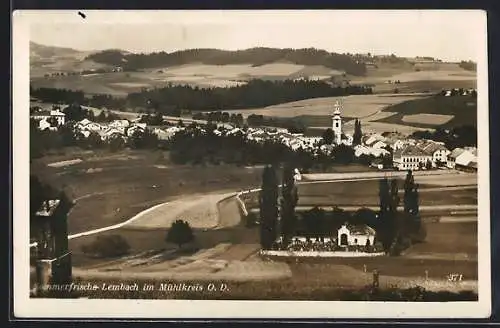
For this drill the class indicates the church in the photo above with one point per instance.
(339, 137)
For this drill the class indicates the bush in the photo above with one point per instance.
(180, 233)
(107, 246)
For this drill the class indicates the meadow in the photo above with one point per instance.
(201, 75)
(112, 187)
(458, 110)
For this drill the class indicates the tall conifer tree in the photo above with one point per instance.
(288, 202)
(268, 203)
(357, 133)
(411, 209)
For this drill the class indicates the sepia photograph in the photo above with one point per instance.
(326, 163)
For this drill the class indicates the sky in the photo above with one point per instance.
(447, 35)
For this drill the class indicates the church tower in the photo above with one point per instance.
(337, 124)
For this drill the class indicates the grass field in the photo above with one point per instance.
(132, 181)
(356, 106)
(422, 77)
(378, 113)
(121, 83)
(427, 119)
(462, 108)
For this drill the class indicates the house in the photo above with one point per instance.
(372, 139)
(349, 235)
(43, 125)
(379, 145)
(470, 167)
(111, 132)
(162, 134)
(437, 150)
(47, 115)
(411, 158)
(297, 176)
(88, 125)
(122, 124)
(136, 127)
(396, 144)
(460, 158)
(363, 150)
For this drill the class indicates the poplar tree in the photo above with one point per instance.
(411, 209)
(384, 214)
(357, 133)
(288, 202)
(396, 230)
(268, 203)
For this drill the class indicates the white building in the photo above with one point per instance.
(437, 150)
(47, 115)
(136, 127)
(349, 235)
(461, 157)
(410, 158)
(120, 124)
(87, 125)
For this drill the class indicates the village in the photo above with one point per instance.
(388, 150)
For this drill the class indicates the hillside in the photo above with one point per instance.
(446, 112)
(118, 73)
(53, 60)
(252, 56)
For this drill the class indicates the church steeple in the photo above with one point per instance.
(337, 123)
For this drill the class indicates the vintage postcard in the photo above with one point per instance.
(251, 164)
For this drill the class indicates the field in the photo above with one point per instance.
(121, 83)
(123, 184)
(315, 113)
(427, 119)
(419, 77)
(460, 109)
(422, 77)
(404, 113)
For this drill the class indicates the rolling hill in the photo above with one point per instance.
(95, 72)
(49, 60)
(430, 112)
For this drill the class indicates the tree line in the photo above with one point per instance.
(255, 56)
(460, 136)
(468, 65)
(170, 100)
(255, 93)
(221, 117)
(200, 145)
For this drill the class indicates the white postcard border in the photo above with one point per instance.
(86, 308)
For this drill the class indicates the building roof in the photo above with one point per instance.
(457, 152)
(359, 229)
(85, 121)
(431, 147)
(56, 113)
(472, 164)
(409, 150)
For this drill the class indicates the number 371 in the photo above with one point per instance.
(455, 277)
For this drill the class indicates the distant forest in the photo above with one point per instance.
(254, 56)
(171, 99)
(468, 65)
